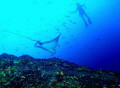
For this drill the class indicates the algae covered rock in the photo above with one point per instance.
(28, 72)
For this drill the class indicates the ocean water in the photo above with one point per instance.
(97, 46)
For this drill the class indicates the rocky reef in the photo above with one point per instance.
(28, 72)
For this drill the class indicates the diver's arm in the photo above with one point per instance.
(75, 11)
(84, 6)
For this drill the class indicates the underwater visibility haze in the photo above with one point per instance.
(86, 32)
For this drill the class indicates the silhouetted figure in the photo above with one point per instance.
(82, 12)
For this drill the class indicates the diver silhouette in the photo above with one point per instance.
(82, 12)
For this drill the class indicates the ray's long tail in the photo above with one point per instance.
(18, 35)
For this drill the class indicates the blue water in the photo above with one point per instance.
(97, 46)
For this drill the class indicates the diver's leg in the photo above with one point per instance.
(84, 21)
(90, 22)
(86, 15)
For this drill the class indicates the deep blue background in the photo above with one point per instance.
(97, 46)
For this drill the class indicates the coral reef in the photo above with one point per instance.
(28, 72)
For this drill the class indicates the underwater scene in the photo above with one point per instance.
(60, 44)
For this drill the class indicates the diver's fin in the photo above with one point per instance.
(86, 24)
(50, 45)
(90, 22)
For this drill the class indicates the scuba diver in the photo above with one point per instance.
(82, 12)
